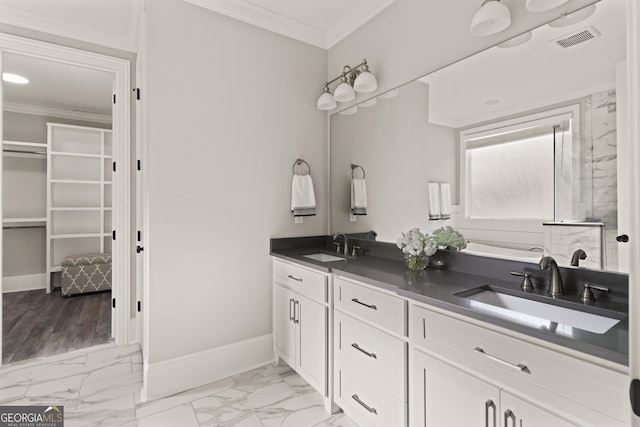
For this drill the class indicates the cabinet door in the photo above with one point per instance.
(285, 327)
(518, 413)
(445, 396)
(311, 318)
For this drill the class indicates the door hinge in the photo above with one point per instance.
(139, 165)
(137, 91)
(139, 236)
(114, 98)
(139, 306)
(114, 234)
(114, 166)
(113, 303)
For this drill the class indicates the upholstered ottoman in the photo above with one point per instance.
(86, 273)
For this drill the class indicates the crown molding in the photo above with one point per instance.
(57, 112)
(263, 18)
(41, 23)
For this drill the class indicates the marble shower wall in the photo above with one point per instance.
(599, 169)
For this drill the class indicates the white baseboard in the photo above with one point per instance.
(27, 282)
(183, 373)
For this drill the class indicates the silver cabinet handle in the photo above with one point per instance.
(489, 405)
(292, 315)
(364, 405)
(520, 367)
(294, 278)
(296, 312)
(372, 307)
(509, 415)
(357, 347)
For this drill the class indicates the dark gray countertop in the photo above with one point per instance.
(439, 288)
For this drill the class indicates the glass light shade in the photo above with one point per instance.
(349, 111)
(326, 101)
(492, 18)
(543, 5)
(344, 93)
(573, 18)
(14, 78)
(369, 103)
(517, 40)
(365, 82)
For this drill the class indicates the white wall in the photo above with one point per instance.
(230, 107)
(411, 38)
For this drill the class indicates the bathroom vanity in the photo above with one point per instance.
(393, 347)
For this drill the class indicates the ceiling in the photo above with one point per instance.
(531, 75)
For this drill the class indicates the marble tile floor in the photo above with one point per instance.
(100, 387)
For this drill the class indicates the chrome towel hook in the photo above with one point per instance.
(353, 170)
(301, 162)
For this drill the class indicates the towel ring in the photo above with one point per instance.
(353, 170)
(300, 162)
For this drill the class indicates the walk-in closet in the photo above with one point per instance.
(57, 160)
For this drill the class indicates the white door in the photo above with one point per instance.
(312, 341)
(518, 413)
(285, 313)
(446, 396)
(140, 235)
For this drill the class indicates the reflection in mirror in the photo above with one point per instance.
(525, 136)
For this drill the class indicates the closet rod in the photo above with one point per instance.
(11, 227)
(43, 153)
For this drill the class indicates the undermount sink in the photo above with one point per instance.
(322, 257)
(537, 314)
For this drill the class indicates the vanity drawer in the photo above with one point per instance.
(380, 308)
(584, 382)
(364, 401)
(369, 347)
(302, 280)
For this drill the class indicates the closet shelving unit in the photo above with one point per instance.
(79, 193)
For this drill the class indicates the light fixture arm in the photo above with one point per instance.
(346, 70)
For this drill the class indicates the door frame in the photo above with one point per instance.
(121, 125)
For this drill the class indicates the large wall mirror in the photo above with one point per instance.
(524, 134)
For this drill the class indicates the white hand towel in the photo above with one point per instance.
(445, 200)
(303, 198)
(358, 196)
(434, 200)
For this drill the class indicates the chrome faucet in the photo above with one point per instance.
(577, 256)
(346, 242)
(555, 281)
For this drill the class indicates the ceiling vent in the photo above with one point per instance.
(577, 37)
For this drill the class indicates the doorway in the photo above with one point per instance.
(65, 200)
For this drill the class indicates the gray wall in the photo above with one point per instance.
(230, 107)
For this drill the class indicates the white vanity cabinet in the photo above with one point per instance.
(300, 319)
(464, 374)
(370, 353)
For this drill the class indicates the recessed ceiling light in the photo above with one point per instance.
(492, 101)
(14, 78)
(368, 103)
(517, 40)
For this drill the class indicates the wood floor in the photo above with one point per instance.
(39, 324)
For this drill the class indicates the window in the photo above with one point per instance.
(514, 169)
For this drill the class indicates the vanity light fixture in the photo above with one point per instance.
(14, 78)
(491, 18)
(352, 80)
(543, 5)
(574, 17)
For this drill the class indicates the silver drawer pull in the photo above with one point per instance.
(294, 278)
(357, 347)
(509, 415)
(489, 405)
(372, 307)
(364, 405)
(519, 367)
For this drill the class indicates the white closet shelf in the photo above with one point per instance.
(22, 220)
(69, 154)
(75, 209)
(78, 235)
(73, 181)
(25, 144)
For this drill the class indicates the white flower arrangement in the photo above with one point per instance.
(418, 246)
(448, 238)
(415, 243)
